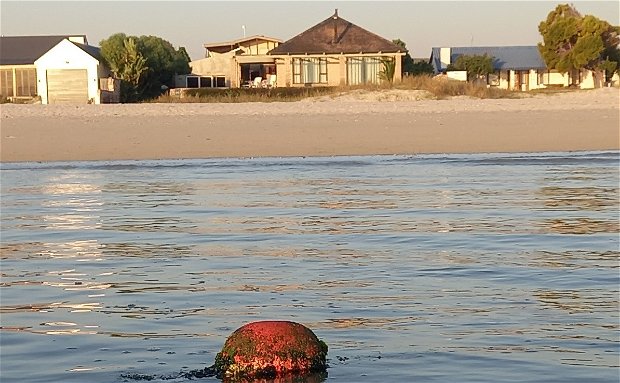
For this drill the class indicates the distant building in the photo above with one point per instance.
(58, 69)
(231, 63)
(516, 67)
(335, 52)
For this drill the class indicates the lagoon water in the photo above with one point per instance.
(439, 268)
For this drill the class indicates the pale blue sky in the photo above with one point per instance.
(420, 24)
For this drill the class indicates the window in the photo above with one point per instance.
(192, 82)
(26, 82)
(363, 70)
(310, 71)
(220, 81)
(199, 82)
(493, 79)
(206, 82)
(540, 77)
(523, 77)
(6, 83)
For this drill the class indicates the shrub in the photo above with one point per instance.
(443, 88)
(230, 95)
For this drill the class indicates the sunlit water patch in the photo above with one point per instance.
(468, 268)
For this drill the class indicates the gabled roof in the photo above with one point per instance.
(335, 35)
(25, 50)
(505, 58)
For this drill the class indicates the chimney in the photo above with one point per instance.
(335, 18)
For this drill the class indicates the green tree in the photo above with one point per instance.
(126, 63)
(475, 65)
(407, 65)
(421, 68)
(144, 64)
(183, 55)
(163, 61)
(572, 42)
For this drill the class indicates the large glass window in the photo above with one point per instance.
(192, 82)
(310, 71)
(206, 82)
(199, 82)
(6, 82)
(363, 70)
(26, 82)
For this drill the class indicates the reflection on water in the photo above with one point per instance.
(579, 198)
(487, 266)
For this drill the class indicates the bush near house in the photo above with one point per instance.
(409, 66)
(229, 95)
(475, 65)
(146, 65)
(438, 89)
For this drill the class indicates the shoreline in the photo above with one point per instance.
(348, 126)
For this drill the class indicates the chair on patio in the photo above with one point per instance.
(271, 81)
(256, 82)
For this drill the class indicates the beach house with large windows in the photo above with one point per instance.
(335, 52)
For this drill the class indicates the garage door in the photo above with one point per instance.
(67, 86)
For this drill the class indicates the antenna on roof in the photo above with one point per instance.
(335, 17)
(243, 27)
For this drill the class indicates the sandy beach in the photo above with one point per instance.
(358, 123)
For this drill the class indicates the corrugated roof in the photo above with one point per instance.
(25, 50)
(505, 58)
(335, 35)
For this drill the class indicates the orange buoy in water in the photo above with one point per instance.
(271, 348)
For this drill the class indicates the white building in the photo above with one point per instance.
(58, 69)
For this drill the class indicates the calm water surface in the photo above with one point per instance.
(460, 268)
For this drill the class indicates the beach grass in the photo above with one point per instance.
(233, 95)
(436, 88)
(442, 88)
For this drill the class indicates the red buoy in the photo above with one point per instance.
(271, 348)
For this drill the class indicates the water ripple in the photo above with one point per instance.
(495, 267)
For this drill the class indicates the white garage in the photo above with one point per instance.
(67, 86)
(69, 73)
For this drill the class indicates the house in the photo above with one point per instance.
(335, 52)
(516, 67)
(58, 69)
(231, 63)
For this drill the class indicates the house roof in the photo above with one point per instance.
(505, 58)
(25, 50)
(91, 50)
(237, 42)
(335, 35)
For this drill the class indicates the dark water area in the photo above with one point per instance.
(438, 268)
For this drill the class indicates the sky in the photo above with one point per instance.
(190, 24)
